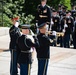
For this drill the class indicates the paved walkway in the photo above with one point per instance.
(4, 31)
(4, 42)
(62, 60)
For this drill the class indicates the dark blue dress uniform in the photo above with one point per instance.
(60, 13)
(73, 13)
(43, 53)
(14, 33)
(56, 26)
(43, 15)
(24, 45)
(68, 30)
(74, 36)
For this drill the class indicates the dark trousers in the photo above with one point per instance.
(25, 69)
(74, 41)
(66, 41)
(60, 41)
(52, 37)
(13, 63)
(42, 66)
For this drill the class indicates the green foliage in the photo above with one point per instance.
(53, 3)
(28, 19)
(30, 6)
(6, 9)
(6, 20)
(13, 8)
(0, 20)
(66, 3)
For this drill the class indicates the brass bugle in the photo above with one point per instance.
(60, 34)
(57, 33)
(49, 32)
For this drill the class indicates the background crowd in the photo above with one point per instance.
(64, 20)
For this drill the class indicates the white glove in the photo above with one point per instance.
(64, 30)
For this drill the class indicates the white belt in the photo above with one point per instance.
(30, 51)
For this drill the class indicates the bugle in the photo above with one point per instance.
(57, 33)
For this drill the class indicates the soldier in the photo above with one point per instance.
(67, 28)
(43, 13)
(56, 21)
(56, 25)
(64, 8)
(60, 10)
(43, 52)
(14, 33)
(24, 44)
(74, 34)
(74, 37)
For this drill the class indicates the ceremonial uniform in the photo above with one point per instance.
(73, 13)
(70, 23)
(43, 52)
(14, 33)
(74, 36)
(24, 45)
(60, 13)
(43, 14)
(55, 27)
(60, 10)
(68, 29)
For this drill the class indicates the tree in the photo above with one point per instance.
(53, 3)
(14, 8)
(66, 3)
(30, 6)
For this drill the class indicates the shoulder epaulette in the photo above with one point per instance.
(11, 30)
(26, 42)
(72, 17)
(48, 6)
